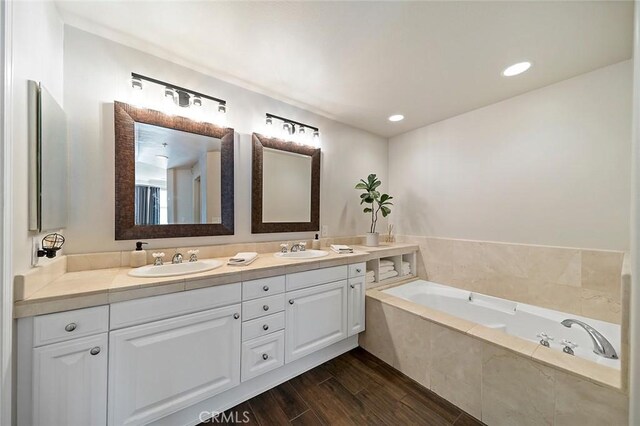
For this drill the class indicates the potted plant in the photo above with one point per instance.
(379, 204)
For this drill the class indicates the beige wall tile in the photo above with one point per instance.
(601, 270)
(377, 336)
(600, 305)
(85, 262)
(515, 391)
(580, 402)
(410, 338)
(456, 368)
(558, 297)
(555, 265)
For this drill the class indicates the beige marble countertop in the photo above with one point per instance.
(74, 290)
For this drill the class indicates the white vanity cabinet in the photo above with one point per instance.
(163, 359)
(356, 297)
(316, 318)
(70, 382)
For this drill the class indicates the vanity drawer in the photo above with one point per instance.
(262, 326)
(262, 354)
(263, 306)
(69, 325)
(262, 287)
(317, 276)
(357, 270)
(138, 311)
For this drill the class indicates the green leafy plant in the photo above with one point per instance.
(379, 202)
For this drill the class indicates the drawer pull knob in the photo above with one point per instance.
(265, 288)
(236, 315)
(70, 327)
(95, 351)
(353, 286)
(265, 327)
(358, 270)
(265, 357)
(265, 307)
(291, 301)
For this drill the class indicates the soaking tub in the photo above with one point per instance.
(514, 318)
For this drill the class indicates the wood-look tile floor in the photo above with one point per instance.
(353, 389)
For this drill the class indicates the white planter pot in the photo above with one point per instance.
(373, 239)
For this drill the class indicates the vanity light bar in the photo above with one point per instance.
(316, 131)
(222, 104)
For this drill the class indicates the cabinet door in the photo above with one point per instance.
(161, 367)
(356, 293)
(316, 317)
(70, 382)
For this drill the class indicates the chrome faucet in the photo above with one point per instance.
(601, 345)
(177, 258)
(301, 246)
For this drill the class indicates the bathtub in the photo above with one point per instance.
(517, 319)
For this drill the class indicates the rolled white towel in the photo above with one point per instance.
(406, 270)
(384, 269)
(371, 273)
(388, 275)
(243, 258)
(404, 264)
(369, 279)
(386, 262)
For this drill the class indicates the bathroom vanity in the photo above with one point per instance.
(179, 358)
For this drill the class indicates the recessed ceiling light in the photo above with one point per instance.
(396, 117)
(516, 69)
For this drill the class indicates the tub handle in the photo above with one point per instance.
(544, 338)
(569, 346)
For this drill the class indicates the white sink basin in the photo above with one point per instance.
(307, 254)
(171, 270)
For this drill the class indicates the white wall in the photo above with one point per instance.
(38, 35)
(96, 74)
(548, 167)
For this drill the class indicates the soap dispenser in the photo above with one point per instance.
(315, 244)
(138, 256)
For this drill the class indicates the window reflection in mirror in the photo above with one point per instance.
(177, 177)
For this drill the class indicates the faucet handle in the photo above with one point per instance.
(569, 346)
(284, 247)
(158, 258)
(544, 338)
(193, 255)
(303, 245)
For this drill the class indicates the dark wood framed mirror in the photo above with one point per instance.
(173, 176)
(285, 194)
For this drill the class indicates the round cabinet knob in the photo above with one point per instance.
(236, 315)
(265, 307)
(265, 357)
(265, 327)
(70, 327)
(265, 288)
(95, 351)
(291, 301)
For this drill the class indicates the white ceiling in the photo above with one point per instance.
(359, 62)
(183, 149)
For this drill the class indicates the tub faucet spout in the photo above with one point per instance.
(601, 345)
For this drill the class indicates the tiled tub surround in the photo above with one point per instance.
(78, 281)
(498, 378)
(513, 318)
(578, 281)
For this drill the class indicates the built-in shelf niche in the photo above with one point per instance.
(374, 265)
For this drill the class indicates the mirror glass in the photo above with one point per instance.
(286, 186)
(48, 158)
(177, 177)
